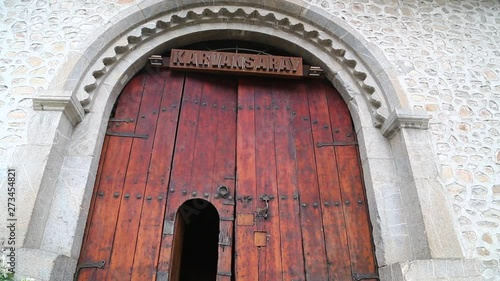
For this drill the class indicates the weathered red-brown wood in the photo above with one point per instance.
(288, 191)
(340, 118)
(339, 266)
(359, 234)
(208, 155)
(357, 222)
(204, 151)
(265, 178)
(127, 226)
(101, 229)
(235, 63)
(177, 247)
(310, 211)
(88, 273)
(205, 140)
(224, 168)
(181, 174)
(246, 253)
(270, 135)
(152, 217)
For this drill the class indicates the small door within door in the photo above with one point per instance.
(195, 250)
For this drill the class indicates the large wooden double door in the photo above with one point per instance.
(277, 160)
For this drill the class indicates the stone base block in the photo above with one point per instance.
(48, 266)
(432, 270)
(41, 265)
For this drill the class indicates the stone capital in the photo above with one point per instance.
(65, 102)
(404, 118)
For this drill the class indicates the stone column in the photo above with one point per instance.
(437, 255)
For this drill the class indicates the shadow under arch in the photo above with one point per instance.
(195, 242)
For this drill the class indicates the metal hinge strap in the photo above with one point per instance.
(224, 273)
(99, 265)
(336, 143)
(156, 60)
(168, 228)
(315, 71)
(162, 276)
(126, 135)
(364, 276)
(127, 120)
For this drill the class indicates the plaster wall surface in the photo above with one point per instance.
(447, 60)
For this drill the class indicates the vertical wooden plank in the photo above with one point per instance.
(357, 221)
(92, 203)
(246, 253)
(181, 174)
(352, 190)
(263, 173)
(152, 217)
(205, 139)
(177, 247)
(265, 159)
(224, 168)
(343, 129)
(101, 229)
(124, 243)
(310, 213)
(339, 266)
(288, 191)
(214, 150)
(204, 155)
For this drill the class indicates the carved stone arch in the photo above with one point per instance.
(354, 66)
(414, 224)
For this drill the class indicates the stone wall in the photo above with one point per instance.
(36, 37)
(446, 54)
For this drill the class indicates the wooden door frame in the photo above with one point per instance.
(397, 159)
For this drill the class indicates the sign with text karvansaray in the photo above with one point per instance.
(235, 63)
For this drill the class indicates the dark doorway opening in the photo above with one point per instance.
(195, 252)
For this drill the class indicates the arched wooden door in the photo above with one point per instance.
(277, 159)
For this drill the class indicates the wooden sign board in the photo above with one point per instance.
(237, 63)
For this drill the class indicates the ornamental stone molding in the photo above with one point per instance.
(338, 50)
(68, 104)
(400, 118)
(355, 66)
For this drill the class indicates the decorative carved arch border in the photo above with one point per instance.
(88, 84)
(342, 54)
(344, 59)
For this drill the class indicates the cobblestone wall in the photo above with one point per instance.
(35, 37)
(445, 51)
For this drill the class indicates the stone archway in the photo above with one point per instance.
(408, 207)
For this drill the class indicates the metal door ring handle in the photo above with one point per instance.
(223, 191)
